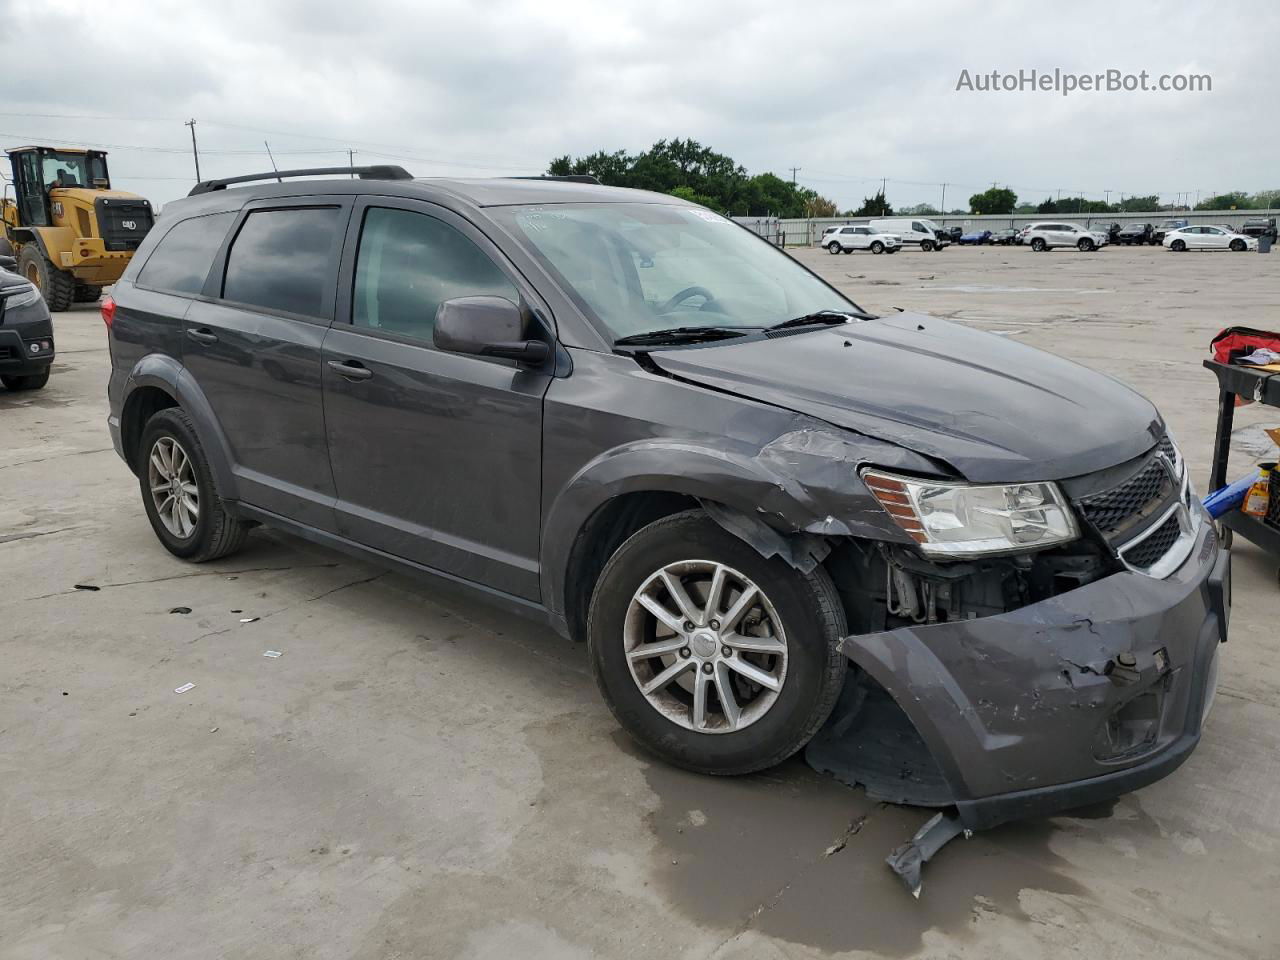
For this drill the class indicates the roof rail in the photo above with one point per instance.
(378, 172)
(570, 177)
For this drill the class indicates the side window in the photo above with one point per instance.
(181, 262)
(281, 260)
(409, 263)
(917, 226)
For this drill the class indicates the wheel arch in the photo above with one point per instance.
(157, 382)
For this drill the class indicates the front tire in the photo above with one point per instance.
(1238, 246)
(56, 286)
(926, 245)
(1085, 245)
(877, 247)
(1178, 246)
(30, 381)
(710, 656)
(1038, 245)
(179, 494)
(87, 293)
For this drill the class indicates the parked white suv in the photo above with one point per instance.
(848, 239)
(912, 230)
(1208, 237)
(1052, 233)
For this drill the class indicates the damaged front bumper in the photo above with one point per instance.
(1063, 703)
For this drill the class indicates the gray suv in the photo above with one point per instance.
(775, 519)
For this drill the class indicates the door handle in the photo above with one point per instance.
(350, 369)
(203, 335)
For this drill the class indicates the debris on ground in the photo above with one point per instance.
(909, 858)
(249, 619)
(87, 586)
(271, 653)
(213, 729)
(183, 610)
(184, 688)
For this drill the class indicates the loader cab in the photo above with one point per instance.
(37, 171)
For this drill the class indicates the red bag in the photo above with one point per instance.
(1235, 342)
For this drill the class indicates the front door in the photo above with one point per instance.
(436, 456)
(253, 348)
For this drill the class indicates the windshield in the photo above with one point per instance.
(71, 170)
(641, 267)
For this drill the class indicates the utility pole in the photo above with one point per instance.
(351, 162)
(195, 152)
(1107, 194)
(943, 208)
(794, 171)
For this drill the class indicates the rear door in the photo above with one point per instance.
(252, 344)
(436, 456)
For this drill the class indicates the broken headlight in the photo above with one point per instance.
(967, 520)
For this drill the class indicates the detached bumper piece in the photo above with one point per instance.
(1060, 704)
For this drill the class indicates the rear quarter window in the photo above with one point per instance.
(181, 260)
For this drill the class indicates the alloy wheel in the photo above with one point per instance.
(705, 646)
(171, 479)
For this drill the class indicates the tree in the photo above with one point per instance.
(876, 206)
(1266, 199)
(1047, 206)
(921, 210)
(1236, 200)
(995, 200)
(1140, 204)
(687, 193)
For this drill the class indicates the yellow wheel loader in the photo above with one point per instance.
(70, 232)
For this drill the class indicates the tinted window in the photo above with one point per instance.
(917, 226)
(182, 260)
(408, 263)
(280, 260)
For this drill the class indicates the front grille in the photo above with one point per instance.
(1114, 510)
(6, 353)
(1147, 553)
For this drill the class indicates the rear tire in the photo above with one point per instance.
(6, 248)
(56, 286)
(765, 725)
(30, 381)
(212, 532)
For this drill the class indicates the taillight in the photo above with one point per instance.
(108, 311)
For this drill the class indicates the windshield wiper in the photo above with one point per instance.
(829, 318)
(679, 335)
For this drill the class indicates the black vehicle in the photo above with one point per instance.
(26, 332)
(761, 507)
(1134, 233)
(955, 233)
(1004, 237)
(1157, 234)
(1260, 227)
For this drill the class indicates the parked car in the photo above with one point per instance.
(1053, 233)
(954, 233)
(976, 237)
(1005, 237)
(758, 504)
(1209, 237)
(1134, 233)
(848, 239)
(1259, 227)
(26, 331)
(1111, 230)
(1157, 235)
(912, 231)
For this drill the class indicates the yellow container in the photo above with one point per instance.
(1259, 495)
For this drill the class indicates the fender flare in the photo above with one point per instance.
(168, 374)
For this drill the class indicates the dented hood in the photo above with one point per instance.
(995, 409)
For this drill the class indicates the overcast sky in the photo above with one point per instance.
(848, 92)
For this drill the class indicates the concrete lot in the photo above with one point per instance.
(417, 776)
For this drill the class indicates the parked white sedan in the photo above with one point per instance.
(848, 239)
(1208, 237)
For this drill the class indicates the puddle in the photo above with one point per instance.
(750, 853)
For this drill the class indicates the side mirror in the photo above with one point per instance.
(486, 327)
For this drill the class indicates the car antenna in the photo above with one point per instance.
(273, 162)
